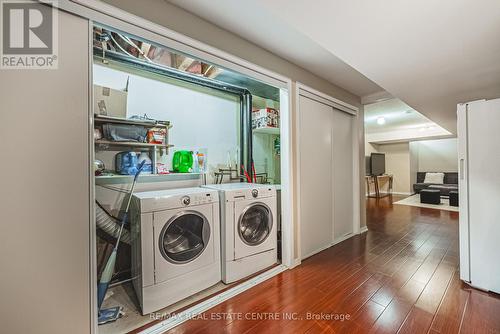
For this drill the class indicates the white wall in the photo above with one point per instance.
(437, 155)
(404, 160)
(397, 163)
(264, 157)
(201, 118)
(370, 148)
(414, 148)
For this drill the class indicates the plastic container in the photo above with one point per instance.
(182, 162)
(148, 165)
(126, 163)
(162, 166)
(200, 161)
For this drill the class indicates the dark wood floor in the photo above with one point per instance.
(399, 277)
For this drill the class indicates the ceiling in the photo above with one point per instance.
(402, 124)
(397, 115)
(430, 54)
(259, 26)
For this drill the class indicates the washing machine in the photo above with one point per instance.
(248, 228)
(175, 245)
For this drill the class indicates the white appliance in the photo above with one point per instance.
(175, 245)
(249, 228)
(479, 193)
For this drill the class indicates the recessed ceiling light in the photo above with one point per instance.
(381, 120)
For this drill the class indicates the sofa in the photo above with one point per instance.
(450, 183)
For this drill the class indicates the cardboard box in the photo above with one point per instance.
(110, 102)
(267, 117)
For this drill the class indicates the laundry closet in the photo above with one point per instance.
(204, 213)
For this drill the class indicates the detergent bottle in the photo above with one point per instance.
(182, 162)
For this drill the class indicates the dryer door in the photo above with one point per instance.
(184, 237)
(183, 241)
(255, 229)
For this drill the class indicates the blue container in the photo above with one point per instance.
(126, 163)
(148, 166)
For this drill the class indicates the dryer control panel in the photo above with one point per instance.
(250, 193)
(197, 199)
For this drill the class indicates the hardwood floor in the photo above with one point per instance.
(399, 277)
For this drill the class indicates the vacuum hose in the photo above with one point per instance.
(110, 224)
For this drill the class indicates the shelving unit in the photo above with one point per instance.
(108, 143)
(145, 178)
(101, 119)
(267, 130)
(103, 144)
(266, 159)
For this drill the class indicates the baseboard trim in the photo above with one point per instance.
(316, 251)
(336, 241)
(402, 193)
(363, 229)
(295, 263)
(345, 237)
(394, 193)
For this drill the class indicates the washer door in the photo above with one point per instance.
(184, 241)
(184, 237)
(254, 227)
(255, 224)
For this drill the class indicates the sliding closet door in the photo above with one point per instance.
(343, 175)
(45, 207)
(316, 196)
(327, 173)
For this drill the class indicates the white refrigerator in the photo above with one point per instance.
(479, 193)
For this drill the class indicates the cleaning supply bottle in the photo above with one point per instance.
(162, 166)
(277, 145)
(148, 165)
(199, 162)
(182, 162)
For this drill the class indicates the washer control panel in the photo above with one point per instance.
(186, 200)
(196, 199)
